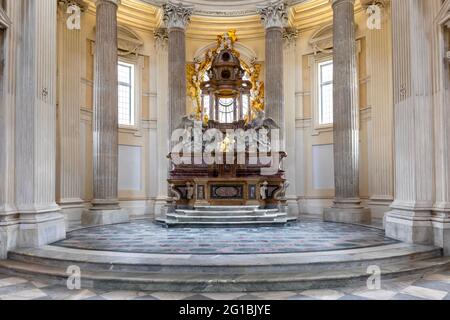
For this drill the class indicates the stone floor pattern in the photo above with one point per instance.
(433, 286)
(143, 236)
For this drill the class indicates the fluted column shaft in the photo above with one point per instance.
(176, 18)
(68, 186)
(106, 107)
(177, 80)
(381, 101)
(345, 95)
(274, 18)
(35, 126)
(410, 218)
(274, 94)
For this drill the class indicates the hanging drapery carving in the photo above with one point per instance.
(4, 20)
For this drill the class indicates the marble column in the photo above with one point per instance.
(410, 217)
(105, 205)
(68, 183)
(274, 18)
(40, 220)
(176, 19)
(347, 206)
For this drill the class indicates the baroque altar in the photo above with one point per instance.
(227, 153)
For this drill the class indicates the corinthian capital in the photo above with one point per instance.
(176, 15)
(274, 15)
(161, 38)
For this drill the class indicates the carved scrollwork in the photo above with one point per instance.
(280, 193)
(176, 194)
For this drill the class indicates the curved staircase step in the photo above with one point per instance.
(220, 282)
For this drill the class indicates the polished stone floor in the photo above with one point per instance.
(432, 286)
(143, 236)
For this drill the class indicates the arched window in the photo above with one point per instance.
(226, 109)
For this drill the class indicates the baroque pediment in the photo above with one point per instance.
(128, 41)
(322, 39)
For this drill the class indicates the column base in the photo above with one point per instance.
(100, 217)
(8, 239)
(292, 206)
(72, 214)
(409, 227)
(161, 208)
(347, 215)
(38, 229)
(441, 231)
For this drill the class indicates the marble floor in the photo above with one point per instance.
(143, 236)
(432, 286)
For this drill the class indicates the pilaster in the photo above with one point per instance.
(162, 84)
(68, 183)
(410, 217)
(380, 101)
(441, 93)
(35, 120)
(290, 79)
(8, 52)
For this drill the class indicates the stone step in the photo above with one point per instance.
(172, 223)
(227, 219)
(157, 281)
(226, 208)
(93, 260)
(226, 213)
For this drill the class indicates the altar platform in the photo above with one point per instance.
(144, 256)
